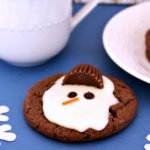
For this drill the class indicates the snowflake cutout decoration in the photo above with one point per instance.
(147, 146)
(4, 129)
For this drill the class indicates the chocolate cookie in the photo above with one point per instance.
(148, 45)
(92, 111)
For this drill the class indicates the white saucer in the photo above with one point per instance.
(124, 40)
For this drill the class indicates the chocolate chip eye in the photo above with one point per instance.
(72, 94)
(89, 95)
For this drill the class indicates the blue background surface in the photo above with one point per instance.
(85, 46)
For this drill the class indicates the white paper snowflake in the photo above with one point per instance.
(4, 134)
(147, 146)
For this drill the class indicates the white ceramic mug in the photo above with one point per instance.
(33, 31)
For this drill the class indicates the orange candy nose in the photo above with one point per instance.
(70, 101)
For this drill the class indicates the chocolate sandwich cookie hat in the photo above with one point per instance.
(84, 74)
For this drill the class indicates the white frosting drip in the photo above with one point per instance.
(4, 134)
(82, 114)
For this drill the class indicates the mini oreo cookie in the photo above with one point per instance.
(41, 99)
(84, 74)
(148, 45)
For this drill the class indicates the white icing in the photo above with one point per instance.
(4, 109)
(4, 134)
(82, 114)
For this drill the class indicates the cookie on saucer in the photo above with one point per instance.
(81, 105)
(148, 45)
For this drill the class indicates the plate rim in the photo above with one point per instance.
(110, 52)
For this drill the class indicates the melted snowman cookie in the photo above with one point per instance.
(82, 105)
(79, 107)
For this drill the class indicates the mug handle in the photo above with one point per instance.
(83, 13)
